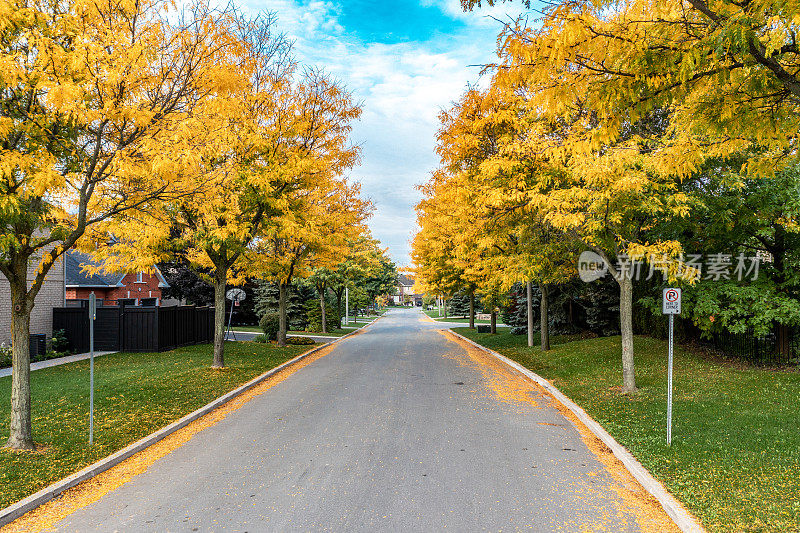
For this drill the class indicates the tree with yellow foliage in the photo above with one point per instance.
(436, 267)
(271, 148)
(517, 156)
(500, 238)
(87, 90)
(316, 234)
(727, 72)
(717, 79)
(451, 215)
(361, 260)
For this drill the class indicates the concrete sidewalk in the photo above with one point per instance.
(4, 372)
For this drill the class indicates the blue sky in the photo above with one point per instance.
(404, 60)
(394, 22)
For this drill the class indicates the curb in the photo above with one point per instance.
(16, 510)
(682, 518)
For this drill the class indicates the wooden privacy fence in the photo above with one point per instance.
(136, 329)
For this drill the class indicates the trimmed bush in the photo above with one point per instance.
(269, 324)
(59, 342)
(5, 355)
(260, 338)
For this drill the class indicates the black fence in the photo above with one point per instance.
(781, 347)
(135, 329)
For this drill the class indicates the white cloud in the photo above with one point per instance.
(485, 16)
(403, 86)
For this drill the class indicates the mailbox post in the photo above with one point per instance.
(670, 306)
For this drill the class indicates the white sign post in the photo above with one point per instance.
(346, 306)
(671, 306)
(92, 317)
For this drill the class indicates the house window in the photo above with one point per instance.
(139, 277)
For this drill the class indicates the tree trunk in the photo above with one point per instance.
(544, 328)
(494, 322)
(322, 309)
(21, 435)
(339, 294)
(283, 326)
(783, 339)
(626, 328)
(471, 309)
(529, 306)
(445, 308)
(220, 278)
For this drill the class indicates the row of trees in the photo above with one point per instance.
(144, 133)
(647, 130)
(366, 273)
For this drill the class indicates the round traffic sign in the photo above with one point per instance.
(672, 295)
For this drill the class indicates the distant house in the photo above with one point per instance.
(405, 292)
(50, 295)
(405, 285)
(131, 288)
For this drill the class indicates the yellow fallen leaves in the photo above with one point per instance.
(95, 488)
(511, 387)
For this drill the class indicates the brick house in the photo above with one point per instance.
(50, 295)
(131, 288)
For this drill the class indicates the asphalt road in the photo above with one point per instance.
(397, 429)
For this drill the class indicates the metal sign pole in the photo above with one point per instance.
(92, 316)
(670, 305)
(669, 384)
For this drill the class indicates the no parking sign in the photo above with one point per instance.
(671, 302)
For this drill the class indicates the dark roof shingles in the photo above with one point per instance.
(76, 275)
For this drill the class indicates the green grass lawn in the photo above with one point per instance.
(434, 314)
(735, 455)
(251, 329)
(466, 321)
(135, 395)
(335, 333)
(369, 317)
